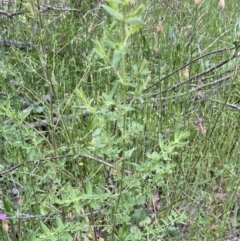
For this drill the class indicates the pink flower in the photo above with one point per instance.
(3, 216)
(201, 129)
(200, 120)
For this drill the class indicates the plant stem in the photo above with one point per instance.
(124, 94)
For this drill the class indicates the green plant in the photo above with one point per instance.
(119, 120)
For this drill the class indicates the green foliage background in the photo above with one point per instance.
(99, 110)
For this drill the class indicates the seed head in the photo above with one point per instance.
(133, 3)
(159, 27)
(186, 73)
(221, 4)
(197, 2)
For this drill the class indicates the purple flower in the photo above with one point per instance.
(201, 129)
(3, 216)
(200, 120)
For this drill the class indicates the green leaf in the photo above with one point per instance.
(161, 142)
(97, 132)
(139, 10)
(89, 187)
(113, 90)
(117, 56)
(153, 156)
(110, 43)
(144, 67)
(172, 35)
(139, 215)
(119, 53)
(80, 94)
(125, 107)
(165, 156)
(134, 21)
(99, 53)
(59, 222)
(44, 228)
(2, 107)
(6, 205)
(113, 3)
(134, 29)
(104, 68)
(129, 153)
(171, 231)
(114, 13)
(23, 115)
(99, 49)
(38, 109)
(146, 222)
(141, 200)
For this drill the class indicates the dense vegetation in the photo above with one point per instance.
(119, 120)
